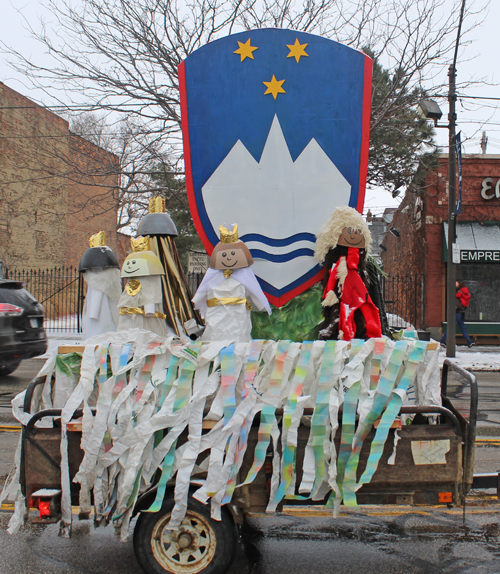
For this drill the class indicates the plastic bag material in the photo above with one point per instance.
(140, 393)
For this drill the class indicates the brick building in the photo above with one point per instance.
(418, 246)
(56, 188)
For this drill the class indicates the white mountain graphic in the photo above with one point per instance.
(276, 197)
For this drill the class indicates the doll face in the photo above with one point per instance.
(351, 237)
(142, 264)
(135, 267)
(232, 258)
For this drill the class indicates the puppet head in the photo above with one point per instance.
(345, 227)
(157, 221)
(99, 255)
(141, 262)
(230, 253)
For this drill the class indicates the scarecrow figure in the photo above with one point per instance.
(101, 271)
(228, 290)
(141, 302)
(342, 245)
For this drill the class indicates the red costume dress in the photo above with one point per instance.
(353, 296)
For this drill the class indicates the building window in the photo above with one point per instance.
(483, 282)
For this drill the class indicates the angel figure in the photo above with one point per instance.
(228, 291)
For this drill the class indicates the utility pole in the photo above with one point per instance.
(451, 273)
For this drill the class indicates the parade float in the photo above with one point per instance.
(193, 436)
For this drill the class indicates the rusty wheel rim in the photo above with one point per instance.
(188, 550)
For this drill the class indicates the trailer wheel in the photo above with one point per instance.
(200, 545)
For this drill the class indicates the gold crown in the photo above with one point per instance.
(227, 236)
(98, 240)
(140, 244)
(157, 205)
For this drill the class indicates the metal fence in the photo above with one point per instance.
(194, 280)
(403, 295)
(59, 290)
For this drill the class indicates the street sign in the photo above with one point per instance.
(197, 262)
(456, 252)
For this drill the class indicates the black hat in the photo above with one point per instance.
(157, 224)
(98, 258)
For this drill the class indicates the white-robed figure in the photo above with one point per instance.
(228, 291)
(141, 304)
(101, 271)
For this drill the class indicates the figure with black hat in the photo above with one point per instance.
(101, 271)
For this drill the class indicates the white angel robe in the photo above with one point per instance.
(100, 310)
(230, 322)
(149, 300)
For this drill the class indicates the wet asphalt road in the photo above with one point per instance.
(15, 383)
(403, 544)
(376, 541)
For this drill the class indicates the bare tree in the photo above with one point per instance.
(122, 56)
(140, 155)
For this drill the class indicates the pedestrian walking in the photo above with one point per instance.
(462, 302)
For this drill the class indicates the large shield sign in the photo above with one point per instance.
(276, 129)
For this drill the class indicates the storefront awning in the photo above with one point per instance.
(478, 242)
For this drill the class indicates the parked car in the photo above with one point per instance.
(22, 335)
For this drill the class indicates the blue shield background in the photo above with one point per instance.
(327, 98)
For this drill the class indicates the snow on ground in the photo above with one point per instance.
(64, 325)
(486, 358)
(397, 322)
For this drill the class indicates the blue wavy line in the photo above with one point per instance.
(275, 292)
(258, 253)
(279, 242)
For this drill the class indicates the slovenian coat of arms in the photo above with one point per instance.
(276, 129)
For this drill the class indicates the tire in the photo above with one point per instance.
(201, 545)
(8, 367)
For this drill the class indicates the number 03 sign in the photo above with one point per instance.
(487, 188)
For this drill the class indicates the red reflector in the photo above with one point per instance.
(8, 310)
(43, 508)
(445, 497)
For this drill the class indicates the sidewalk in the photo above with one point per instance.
(476, 358)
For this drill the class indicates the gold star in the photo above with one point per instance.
(245, 50)
(274, 87)
(297, 50)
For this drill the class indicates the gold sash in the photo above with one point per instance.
(140, 311)
(216, 301)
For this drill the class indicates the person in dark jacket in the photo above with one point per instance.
(462, 302)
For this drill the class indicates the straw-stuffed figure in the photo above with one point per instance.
(101, 272)
(141, 302)
(342, 245)
(228, 291)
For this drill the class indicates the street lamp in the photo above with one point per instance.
(431, 111)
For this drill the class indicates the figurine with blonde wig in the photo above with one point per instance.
(342, 246)
(229, 290)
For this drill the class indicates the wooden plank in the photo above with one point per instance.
(63, 349)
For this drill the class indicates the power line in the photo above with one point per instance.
(77, 106)
(142, 104)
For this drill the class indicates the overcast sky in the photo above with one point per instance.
(479, 60)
